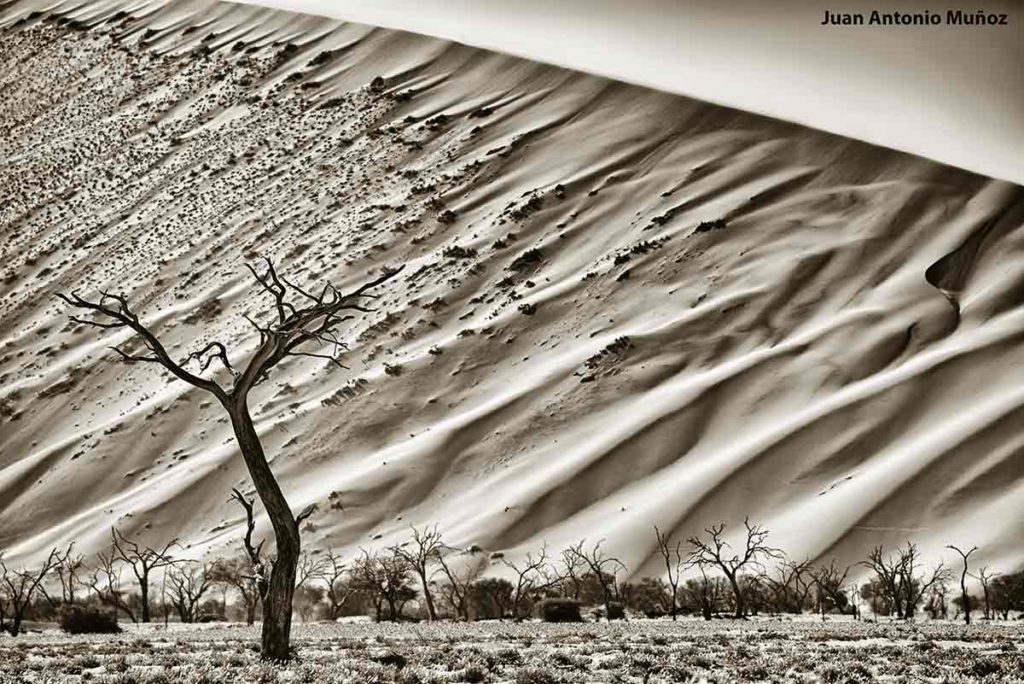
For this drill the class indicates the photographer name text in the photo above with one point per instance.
(926, 18)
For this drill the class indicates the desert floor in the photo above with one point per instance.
(533, 653)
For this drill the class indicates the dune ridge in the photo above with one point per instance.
(621, 307)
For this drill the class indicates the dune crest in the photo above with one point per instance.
(621, 307)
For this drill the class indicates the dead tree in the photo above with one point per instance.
(532, 576)
(603, 568)
(385, 577)
(69, 566)
(21, 587)
(105, 582)
(985, 578)
(338, 590)
(456, 591)
(421, 553)
(309, 569)
(367, 579)
(830, 581)
(573, 569)
(790, 586)
(5, 600)
(237, 574)
(899, 579)
(300, 323)
(143, 560)
(259, 569)
(675, 562)
(189, 583)
(716, 552)
(705, 593)
(887, 573)
(915, 585)
(396, 583)
(965, 555)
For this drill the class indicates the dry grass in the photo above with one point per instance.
(531, 653)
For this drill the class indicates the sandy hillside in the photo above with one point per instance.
(620, 308)
(947, 91)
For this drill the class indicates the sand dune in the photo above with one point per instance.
(621, 307)
(948, 92)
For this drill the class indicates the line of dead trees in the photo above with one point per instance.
(312, 320)
(425, 578)
(129, 579)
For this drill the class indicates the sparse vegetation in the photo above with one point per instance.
(560, 610)
(88, 620)
(656, 652)
(527, 260)
(708, 226)
(424, 578)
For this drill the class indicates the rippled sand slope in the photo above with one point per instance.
(835, 352)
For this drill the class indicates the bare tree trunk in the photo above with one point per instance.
(431, 611)
(144, 590)
(250, 609)
(965, 597)
(738, 594)
(277, 604)
(277, 609)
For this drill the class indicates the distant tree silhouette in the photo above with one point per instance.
(459, 576)
(603, 568)
(300, 322)
(1008, 593)
(69, 566)
(21, 586)
(421, 552)
(704, 594)
(573, 570)
(492, 597)
(387, 578)
(985, 577)
(675, 562)
(830, 580)
(105, 582)
(714, 551)
(789, 586)
(309, 569)
(338, 589)
(143, 560)
(532, 574)
(189, 582)
(899, 581)
(965, 599)
(237, 573)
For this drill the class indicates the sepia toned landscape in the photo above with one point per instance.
(447, 344)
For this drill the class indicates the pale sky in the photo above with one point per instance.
(954, 94)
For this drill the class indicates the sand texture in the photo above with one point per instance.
(620, 308)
